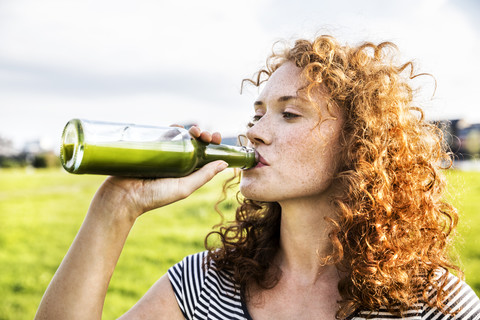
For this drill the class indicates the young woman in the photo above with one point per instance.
(343, 217)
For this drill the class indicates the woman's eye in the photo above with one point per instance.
(289, 115)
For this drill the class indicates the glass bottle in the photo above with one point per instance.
(122, 149)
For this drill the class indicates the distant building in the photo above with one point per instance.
(462, 137)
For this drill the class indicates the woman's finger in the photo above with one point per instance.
(206, 136)
(195, 131)
(216, 138)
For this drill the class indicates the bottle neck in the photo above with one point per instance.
(236, 157)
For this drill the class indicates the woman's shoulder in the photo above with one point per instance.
(197, 266)
(460, 300)
(193, 259)
(190, 267)
(201, 290)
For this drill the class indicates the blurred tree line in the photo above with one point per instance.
(36, 157)
(463, 139)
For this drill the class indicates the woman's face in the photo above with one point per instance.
(298, 151)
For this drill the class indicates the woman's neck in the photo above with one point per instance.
(304, 237)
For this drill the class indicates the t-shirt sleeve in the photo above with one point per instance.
(461, 301)
(187, 278)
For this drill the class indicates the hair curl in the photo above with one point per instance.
(393, 228)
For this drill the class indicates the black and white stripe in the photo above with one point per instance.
(204, 294)
(208, 294)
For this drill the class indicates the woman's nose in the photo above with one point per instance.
(258, 133)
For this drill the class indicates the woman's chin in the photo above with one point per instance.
(248, 191)
(256, 195)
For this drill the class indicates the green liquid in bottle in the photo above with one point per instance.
(173, 154)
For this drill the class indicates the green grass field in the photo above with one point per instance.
(41, 211)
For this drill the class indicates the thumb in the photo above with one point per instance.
(162, 192)
(198, 178)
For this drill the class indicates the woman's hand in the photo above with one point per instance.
(137, 196)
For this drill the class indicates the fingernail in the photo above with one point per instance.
(222, 166)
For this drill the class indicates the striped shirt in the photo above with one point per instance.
(210, 294)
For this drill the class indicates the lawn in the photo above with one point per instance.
(41, 211)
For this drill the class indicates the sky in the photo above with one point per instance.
(165, 62)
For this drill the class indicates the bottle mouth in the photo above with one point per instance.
(71, 149)
(253, 155)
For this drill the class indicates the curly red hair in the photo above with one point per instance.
(393, 229)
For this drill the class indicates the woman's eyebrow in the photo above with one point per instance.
(287, 98)
(281, 99)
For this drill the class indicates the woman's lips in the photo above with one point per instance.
(259, 165)
(261, 161)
